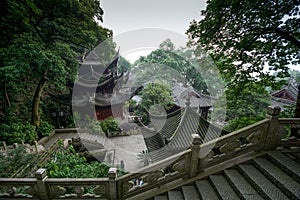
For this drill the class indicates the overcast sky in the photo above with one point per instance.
(127, 15)
(123, 16)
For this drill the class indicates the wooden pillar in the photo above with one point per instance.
(41, 176)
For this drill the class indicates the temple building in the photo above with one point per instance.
(97, 88)
(286, 96)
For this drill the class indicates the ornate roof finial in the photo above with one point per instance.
(188, 99)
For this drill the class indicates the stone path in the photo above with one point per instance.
(122, 148)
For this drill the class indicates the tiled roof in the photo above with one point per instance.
(291, 91)
(190, 123)
(166, 125)
(197, 99)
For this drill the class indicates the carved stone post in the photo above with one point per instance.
(195, 147)
(112, 184)
(41, 176)
(5, 146)
(272, 136)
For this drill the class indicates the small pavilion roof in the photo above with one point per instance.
(91, 72)
(181, 94)
(288, 92)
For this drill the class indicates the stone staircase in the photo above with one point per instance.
(274, 175)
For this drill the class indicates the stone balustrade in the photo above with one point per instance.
(195, 163)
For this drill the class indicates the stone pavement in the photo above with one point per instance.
(122, 148)
(127, 149)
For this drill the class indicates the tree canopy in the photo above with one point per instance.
(169, 63)
(250, 35)
(156, 99)
(40, 46)
(250, 40)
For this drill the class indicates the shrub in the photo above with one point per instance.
(17, 132)
(45, 128)
(109, 125)
(66, 163)
(13, 160)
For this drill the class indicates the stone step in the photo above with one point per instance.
(190, 192)
(287, 184)
(263, 185)
(161, 197)
(222, 187)
(289, 166)
(206, 190)
(175, 195)
(241, 185)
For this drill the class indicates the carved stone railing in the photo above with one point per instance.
(153, 176)
(42, 187)
(197, 162)
(243, 141)
(203, 159)
(285, 127)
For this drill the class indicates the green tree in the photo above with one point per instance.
(244, 36)
(156, 97)
(41, 43)
(295, 74)
(246, 107)
(167, 63)
(250, 34)
(123, 65)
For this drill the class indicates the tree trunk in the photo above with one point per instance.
(7, 103)
(35, 118)
(294, 131)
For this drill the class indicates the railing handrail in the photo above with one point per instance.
(288, 120)
(154, 166)
(266, 130)
(234, 134)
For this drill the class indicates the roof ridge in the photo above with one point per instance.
(180, 123)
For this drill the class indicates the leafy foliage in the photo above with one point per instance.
(246, 35)
(144, 157)
(18, 132)
(169, 65)
(237, 124)
(45, 128)
(155, 96)
(123, 65)
(288, 112)
(12, 161)
(40, 46)
(250, 103)
(66, 163)
(109, 125)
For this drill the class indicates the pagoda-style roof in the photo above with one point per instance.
(287, 96)
(92, 73)
(197, 99)
(288, 92)
(176, 134)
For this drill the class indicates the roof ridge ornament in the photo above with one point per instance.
(188, 99)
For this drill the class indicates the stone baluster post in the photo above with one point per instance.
(112, 184)
(5, 146)
(272, 137)
(194, 162)
(41, 176)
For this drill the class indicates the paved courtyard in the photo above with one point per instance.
(119, 148)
